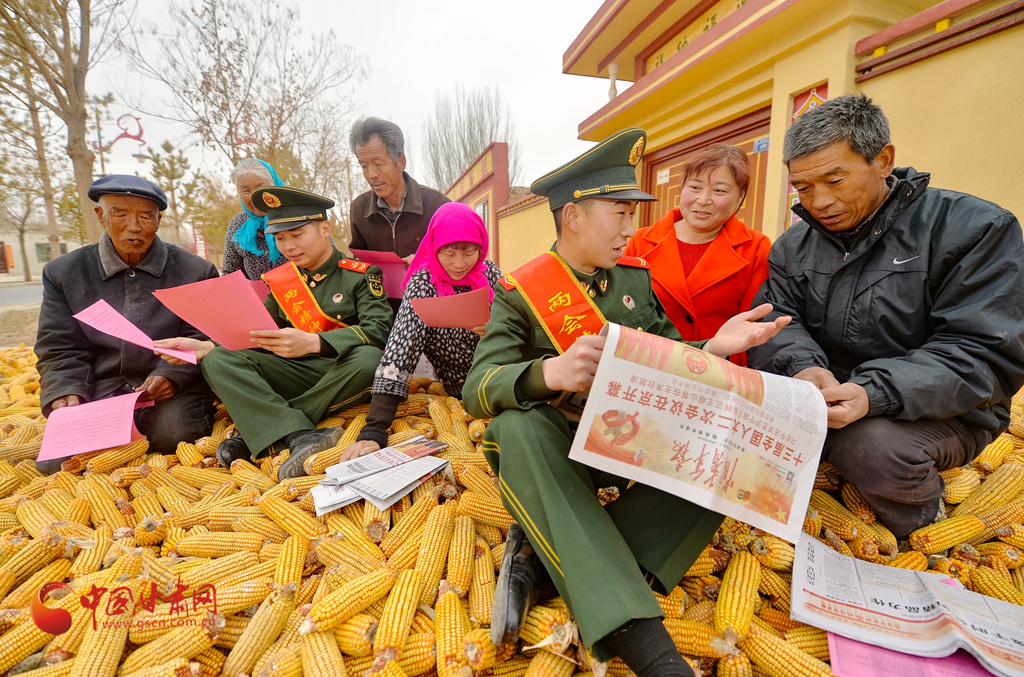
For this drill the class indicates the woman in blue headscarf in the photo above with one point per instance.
(246, 244)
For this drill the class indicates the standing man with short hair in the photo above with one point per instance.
(393, 215)
(906, 306)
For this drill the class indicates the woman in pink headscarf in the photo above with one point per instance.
(450, 260)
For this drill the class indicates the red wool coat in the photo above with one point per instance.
(723, 284)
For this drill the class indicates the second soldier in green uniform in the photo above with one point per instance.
(334, 321)
(542, 347)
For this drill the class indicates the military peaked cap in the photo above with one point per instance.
(288, 208)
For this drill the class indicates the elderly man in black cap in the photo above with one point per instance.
(78, 364)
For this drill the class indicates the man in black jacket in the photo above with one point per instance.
(907, 311)
(78, 363)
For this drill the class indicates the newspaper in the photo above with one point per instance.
(734, 440)
(386, 458)
(386, 488)
(904, 610)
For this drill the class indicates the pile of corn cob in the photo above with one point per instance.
(230, 572)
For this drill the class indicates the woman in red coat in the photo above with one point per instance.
(706, 264)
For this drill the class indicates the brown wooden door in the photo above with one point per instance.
(749, 132)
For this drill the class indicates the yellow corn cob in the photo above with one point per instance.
(156, 477)
(125, 477)
(348, 600)
(291, 519)
(988, 581)
(856, 503)
(219, 569)
(778, 658)
(78, 511)
(1012, 534)
(415, 519)
(991, 457)
(478, 481)
(22, 596)
(810, 640)
(484, 510)
(481, 590)
(246, 473)
(113, 458)
(1011, 513)
(812, 522)
(693, 638)
(89, 561)
(183, 642)
(835, 516)
(211, 663)
(736, 596)
(547, 664)
(218, 544)
(333, 552)
(1001, 487)
(25, 639)
(1011, 557)
(234, 626)
(179, 667)
(947, 533)
(292, 561)
(491, 535)
(353, 534)
(452, 624)
(440, 416)
(480, 651)
(103, 645)
(102, 508)
(260, 633)
(422, 623)
(545, 623)
(433, 552)
(399, 509)
(828, 478)
(773, 552)
(399, 610)
(355, 637)
(779, 620)
(188, 454)
(375, 523)
(965, 552)
(461, 554)
(517, 666)
(35, 517)
(911, 559)
(264, 569)
(262, 526)
(959, 488)
(150, 531)
(775, 587)
(734, 666)
(37, 554)
(321, 656)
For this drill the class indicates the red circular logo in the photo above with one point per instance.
(53, 621)
(697, 363)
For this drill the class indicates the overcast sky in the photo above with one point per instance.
(416, 48)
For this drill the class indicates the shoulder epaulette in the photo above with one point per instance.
(353, 265)
(506, 283)
(633, 262)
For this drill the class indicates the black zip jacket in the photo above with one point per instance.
(925, 310)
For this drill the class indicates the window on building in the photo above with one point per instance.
(481, 209)
(43, 251)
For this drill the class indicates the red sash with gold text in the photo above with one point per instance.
(297, 302)
(558, 300)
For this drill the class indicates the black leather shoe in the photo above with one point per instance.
(522, 582)
(232, 449)
(304, 444)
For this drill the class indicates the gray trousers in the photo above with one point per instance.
(895, 465)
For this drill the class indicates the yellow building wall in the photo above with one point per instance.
(958, 116)
(523, 234)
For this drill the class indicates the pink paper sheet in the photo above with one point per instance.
(91, 426)
(851, 658)
(391, 264)
(102, 317)
(261, 289)
(225, 308)
(465, 311)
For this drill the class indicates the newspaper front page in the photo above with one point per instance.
(904, 610)
(734, 440)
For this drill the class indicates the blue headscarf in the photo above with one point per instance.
(246, 235)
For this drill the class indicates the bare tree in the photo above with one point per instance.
(243, 75)
(460, 127)
(169, 169)
(58, 42)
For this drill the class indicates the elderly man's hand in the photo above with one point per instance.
(289, 342)
(822, 378)
(157, 389)
(573, 370)
(360, 448)
(66, 401)
(846, 403)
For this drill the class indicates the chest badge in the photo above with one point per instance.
(627, 301)
(337, 298)
(319, 277)
(603, 284)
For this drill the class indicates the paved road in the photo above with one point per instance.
(16, 294)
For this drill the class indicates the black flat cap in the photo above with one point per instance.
(127, 184)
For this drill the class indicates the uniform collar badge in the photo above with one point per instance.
(627, 301)
(319, 276)
(603, 284)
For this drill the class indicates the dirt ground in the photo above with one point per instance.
(18, 324)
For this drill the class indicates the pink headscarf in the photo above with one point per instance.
(452, 222)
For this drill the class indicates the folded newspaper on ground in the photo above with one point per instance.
(734, 440)
(908, 611)
(382, 477)
(388, 457)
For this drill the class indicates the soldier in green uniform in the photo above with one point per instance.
(541, 347)
(334, 321)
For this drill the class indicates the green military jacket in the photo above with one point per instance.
(506, 371)
(353, 298)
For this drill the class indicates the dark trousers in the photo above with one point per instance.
(895, 465)
(604, 560)
(184, 418)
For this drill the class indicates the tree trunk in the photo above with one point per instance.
(82, 160)
(24, 253)
(44, 172)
